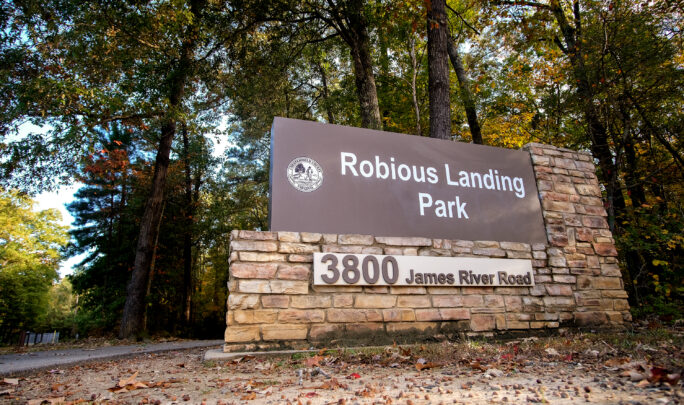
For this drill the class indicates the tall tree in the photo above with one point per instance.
(438, 70)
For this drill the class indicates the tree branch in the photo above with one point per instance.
(463, 20)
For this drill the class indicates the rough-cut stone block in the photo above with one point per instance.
(298, 248)
(254, 286)
(236, 334)
(284, 331)
(594, 222)
(540, 160)
(559, 302)
(518, 254)
(487, 244)
(407, 290)
(473, 301)
(454, 314)
(242, 301)
(513, 303)
(482, 322)
(561, 278)
(608, 283)
(610, 270)
(614, 293)
(558, 206)
(592, 318)
(253, 270)
(364, 328)
(255, 316)
(513, 324)
(373, 250)
(589, 189)
(375, 301)
(262, 257)
(401, 241)
(275, 301)
(491, 252)
(605, 249)
(558, 289)
(355, 239)
(516, 246)
(398, 315)
(346, 315)
(329, 238)
(493, 301)
(428, 314)
(309, 237)
(553, 196)
(257, 235)
(252, 245)
(620, 305)
(288, 236)
(343, 301)
(289, 287)
(300, 258)
(301, 316)
(372, 315)
(413, 301)
(434, 252)
(441, 244)
(325, 330)
(564, 188)
(294, 272)
(311, 301)
(404, 327)
(451, 301)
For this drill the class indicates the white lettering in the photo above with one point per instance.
(369, 168)
(350, 164)
(425, 202)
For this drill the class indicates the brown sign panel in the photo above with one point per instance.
(333, 179)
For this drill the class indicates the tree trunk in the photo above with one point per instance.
(187, 231)
(347, 18)
(365, 81)
(466, 94)
(438, 70)
(414, 90)
(326, 94)
(132, 322)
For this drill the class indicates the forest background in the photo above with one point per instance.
(132, 96)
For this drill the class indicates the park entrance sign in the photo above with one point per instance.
(379, 238)
(342, 180)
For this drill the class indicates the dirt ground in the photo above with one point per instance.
(629, 368)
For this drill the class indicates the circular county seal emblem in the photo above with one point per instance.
(305, 174)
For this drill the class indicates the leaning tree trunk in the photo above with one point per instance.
(132, 321)
(438, 70)
(466, 94)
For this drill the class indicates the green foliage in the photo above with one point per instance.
(30, 244)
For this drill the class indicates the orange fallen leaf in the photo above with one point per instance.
(249, 397)
(129, 380)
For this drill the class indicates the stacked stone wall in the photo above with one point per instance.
(273, 303)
